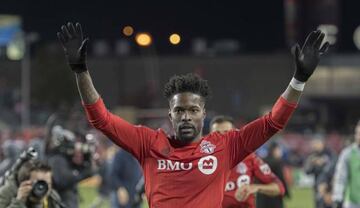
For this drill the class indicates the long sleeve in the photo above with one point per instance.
(134, 139)
(264, 174)
(341, 175)
(309, 167)
(8, 196)
(246, 140)
(328, 171)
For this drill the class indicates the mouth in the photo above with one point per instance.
(186, 129)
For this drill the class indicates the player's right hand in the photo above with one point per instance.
(24, 190)
(307, 58)
(74, 44)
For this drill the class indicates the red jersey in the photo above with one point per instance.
(193, 175)
(245, 173)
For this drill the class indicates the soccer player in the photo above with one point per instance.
(346, 184)
(187, 169)
(240, 188)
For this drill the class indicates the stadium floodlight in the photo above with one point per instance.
(128, 30)
(15, 49)
(143, 39)
(174, 38)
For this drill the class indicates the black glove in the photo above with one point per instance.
(337, 204)
(74, 45)
(308, 57)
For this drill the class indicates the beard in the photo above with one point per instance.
(186, 133)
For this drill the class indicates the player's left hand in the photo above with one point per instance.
(307, 58)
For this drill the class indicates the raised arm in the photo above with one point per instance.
(74, 45)
(253, 135)
(306, 60)
(135, 139)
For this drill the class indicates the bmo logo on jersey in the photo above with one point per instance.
(208, 164)
(173, 165)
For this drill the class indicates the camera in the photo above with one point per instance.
(25, 156)
(62, 140)
(39, 189)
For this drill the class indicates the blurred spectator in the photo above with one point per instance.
(31, 189)
(104, 162)
(347, 177)
(274, 160)
(140, 192)
(70, 164)
(320, 160)
(11, 149)
(324, 186)
(125, 174)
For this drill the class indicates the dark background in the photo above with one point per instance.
(258, 25)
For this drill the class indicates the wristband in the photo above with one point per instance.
(78, 68)
(296, 84)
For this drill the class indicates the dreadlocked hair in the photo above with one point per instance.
(187, 83)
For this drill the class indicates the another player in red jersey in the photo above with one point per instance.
(187, 169)
(240, 188)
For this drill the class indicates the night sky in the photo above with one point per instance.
(258, 25)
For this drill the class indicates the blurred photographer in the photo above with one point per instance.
(72, 158)
(32, 188)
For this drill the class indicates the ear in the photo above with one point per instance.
(204, 113)
(169, 114)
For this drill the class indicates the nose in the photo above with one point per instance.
(185, 117)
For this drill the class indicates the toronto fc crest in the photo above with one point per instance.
(207, 147)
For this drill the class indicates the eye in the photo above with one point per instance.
(195, 110)
(178, 110)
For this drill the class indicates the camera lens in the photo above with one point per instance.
(39, 189)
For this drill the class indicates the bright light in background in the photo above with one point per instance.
(356, 37)
(128, 30)
(15, 49)
(143, 39)
(175, 39)
(330, 31)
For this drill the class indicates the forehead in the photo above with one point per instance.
(186, 99)
(37, 175)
